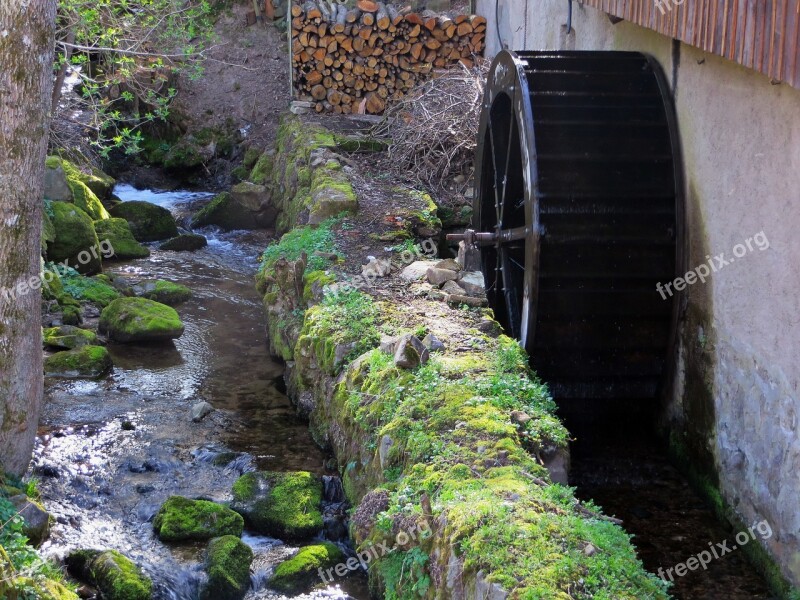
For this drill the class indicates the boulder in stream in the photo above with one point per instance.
(68, 337)
(149, 222)
(118, 234)
(301, 572)
(185, 242)
(162, 291)
(83, 362)
(228, 567)
(181, 519)
(282, 505)
(116, 576)
(140, 320)
(75, 237)
(225, 212)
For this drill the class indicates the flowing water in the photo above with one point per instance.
(109, 452)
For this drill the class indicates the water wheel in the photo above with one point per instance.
(577, 216)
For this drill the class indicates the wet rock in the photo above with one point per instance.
(228, 566)
(335, 529)
(448, 263)
(36, 519)
(68, 336)
(440, 276)
(200, 411)
(410, 352)
(451, 287)
(472, 282)
(118, 234)
(75, 238)
(416, 270)
(226, 213)
(180, 519)
(46, 471)
(377, 267)
(282, 505)
(144, 488)
(162, 291)
(148, 222)
(140, 320)
(432, 343)
(301, 572)
(83, 362)
(185, 242)
(113, 574)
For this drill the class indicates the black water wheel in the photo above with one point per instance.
(577, 216)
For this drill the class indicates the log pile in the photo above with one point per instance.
(356, 59)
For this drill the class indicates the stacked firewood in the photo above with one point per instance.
(355, 59)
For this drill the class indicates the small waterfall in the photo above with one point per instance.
(333, 490)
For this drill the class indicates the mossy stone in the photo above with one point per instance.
(262, 169)
(120, 237)
(140, 320)
(251, 157)
(185, 155)
(42, 589)
(162, 291)
(83, 362)
(116, 576)
(48, 229)
(228, 567)
(301, 572)
(181, 519)
(68, 336)
(282, 505)
(148, 222)
(71, 315)
(225, 212)
(75, 240)
(87, 289)
(186, 242)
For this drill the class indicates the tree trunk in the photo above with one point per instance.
(26, 81)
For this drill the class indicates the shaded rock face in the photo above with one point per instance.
(226, 212)
(186, 242)
(55, 184)
(301, 572)
(114, 575)
(181, 518)
(148, 222)
(140, 320)
(282, 505)
(37, 519)
(120, 237)
(75, 240)
(228, 567)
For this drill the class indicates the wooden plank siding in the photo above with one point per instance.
(760, 34)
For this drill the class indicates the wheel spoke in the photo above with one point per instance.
(505, 170)
(497, 198)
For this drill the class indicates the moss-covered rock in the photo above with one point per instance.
(228, 567)
(48, 229)
(87, 289)
(60, 173)
(117, 232)
(185, 155)
(331, 194)
(36, 525)
(149, 222)
(185, 242)
(116, 576)
(283, 505)
(83, 362)
(180, 519)
(162, 291)
(226, 213)
(360, 144)
(301, 572)
(71, 315)
(262, 169)
(46, 589)
(140, 320)
(75, 240)
(68, 336)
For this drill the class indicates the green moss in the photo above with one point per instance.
(262, 169)
(353, 144)
(313, 282)
(48, 229)
(86, 188)
(148, 222)
(251, 157)
(86, 361)
(113, 574)
(75, 238)
(228, 567)
(222, 210)
(67, 336)
(301, 572)
(185, 155)
(284, 505)
(120, 238)
(331, 194)
(180, 519)
(162, 291)
(87, 289)
(140, 319)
